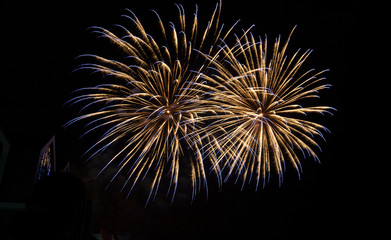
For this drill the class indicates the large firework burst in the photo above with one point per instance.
(149, 102)
(261, 105)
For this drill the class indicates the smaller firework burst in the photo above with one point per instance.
(262, 104)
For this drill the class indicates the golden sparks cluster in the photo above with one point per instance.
(184, 102)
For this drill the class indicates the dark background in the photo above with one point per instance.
(40, 43)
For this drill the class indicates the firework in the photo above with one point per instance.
(263, 105)
(149, 103)
(184, 100)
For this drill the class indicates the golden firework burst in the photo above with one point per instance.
(150, 103)
(261, 105)
(187, 100)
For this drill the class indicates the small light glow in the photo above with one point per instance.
(261, 114)
(168, 111)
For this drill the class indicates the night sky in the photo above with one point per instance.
(40, 43)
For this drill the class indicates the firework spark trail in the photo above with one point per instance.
(259, 123)
(150, 103)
